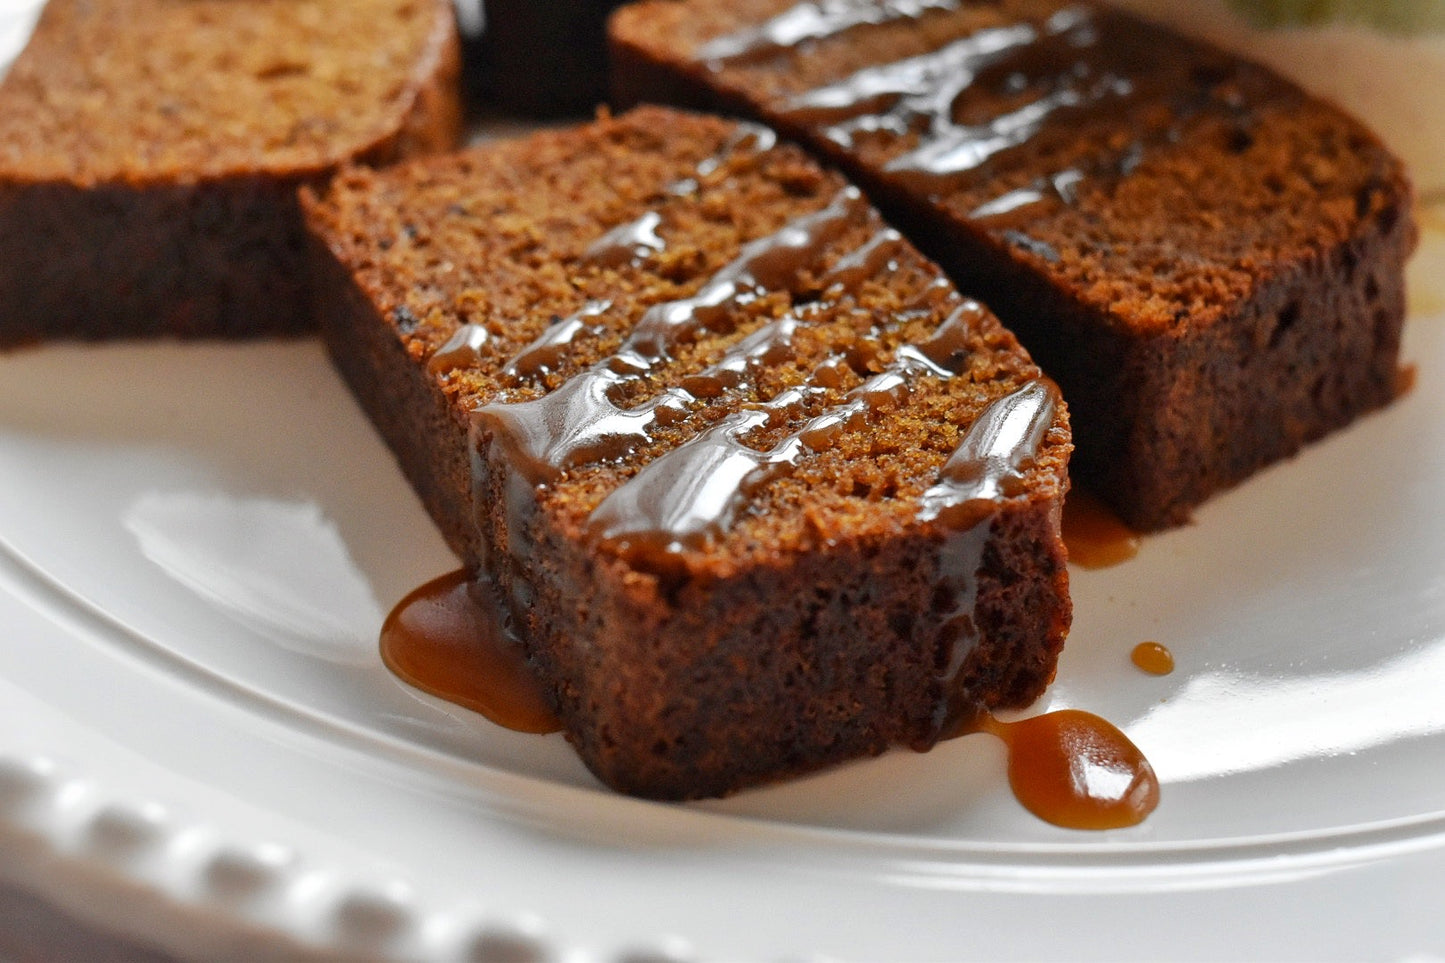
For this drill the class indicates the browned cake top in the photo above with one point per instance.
(1152, 175)
(694, 343)
(145, 90)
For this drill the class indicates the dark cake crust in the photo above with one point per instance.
(1207, 260)
(129, 232)
(830, 619)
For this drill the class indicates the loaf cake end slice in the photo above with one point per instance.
(150, 152)
(763, 491)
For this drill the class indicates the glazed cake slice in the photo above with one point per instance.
(761, 489)
(1207, 260)
(150, 152)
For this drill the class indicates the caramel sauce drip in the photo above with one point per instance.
(810, 22)
(1081, 67)
(1405, 377)
(1153, 658)
(1094, 535)
(626, 243)
(1073, 74)
(552, 345)
(449, 638)
(988, 463)
(462, 350)
(1073, 769)
(693, 491)
(579, 423)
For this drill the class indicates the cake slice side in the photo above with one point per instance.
(150, 153)
(764, 490)
(1207, 260)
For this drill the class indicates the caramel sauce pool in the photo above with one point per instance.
(1094, 535)
(1069, 767)
(1075, 770)
(448, 638)
(1153, 658)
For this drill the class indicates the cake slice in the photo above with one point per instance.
(1207, 260)
(761, 490)
(150, 152)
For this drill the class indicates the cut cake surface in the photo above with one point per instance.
(762, 489)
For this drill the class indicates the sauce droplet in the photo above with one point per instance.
(448, 638)
(1073, 769)
(1153, 658)
(1094, 535)
(1405, 377)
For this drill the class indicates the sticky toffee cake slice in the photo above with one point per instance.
(1206, 259)
(150, 152)
(761, 490)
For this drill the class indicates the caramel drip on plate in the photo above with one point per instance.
(449, 638)
(1073, 769)
(1153, 658)
(1094, 535)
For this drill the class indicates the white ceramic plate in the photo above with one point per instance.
(200, 749)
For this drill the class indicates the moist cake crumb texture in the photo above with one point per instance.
(764, 490)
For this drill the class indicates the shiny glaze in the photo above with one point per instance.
(1073, 769)
(693, 491)
(918, 94)
(629, 242)
(462, 350)
(965, 108)
(579, 423)
(812, 21)
(1153, 658)
(988, 463)
(1094, 535)
(449, 638)
(552, 345)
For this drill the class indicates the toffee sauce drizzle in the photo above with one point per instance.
(920, 92)
(1095, 536)
(1080, 66)
(812, 21)
(453, 637)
